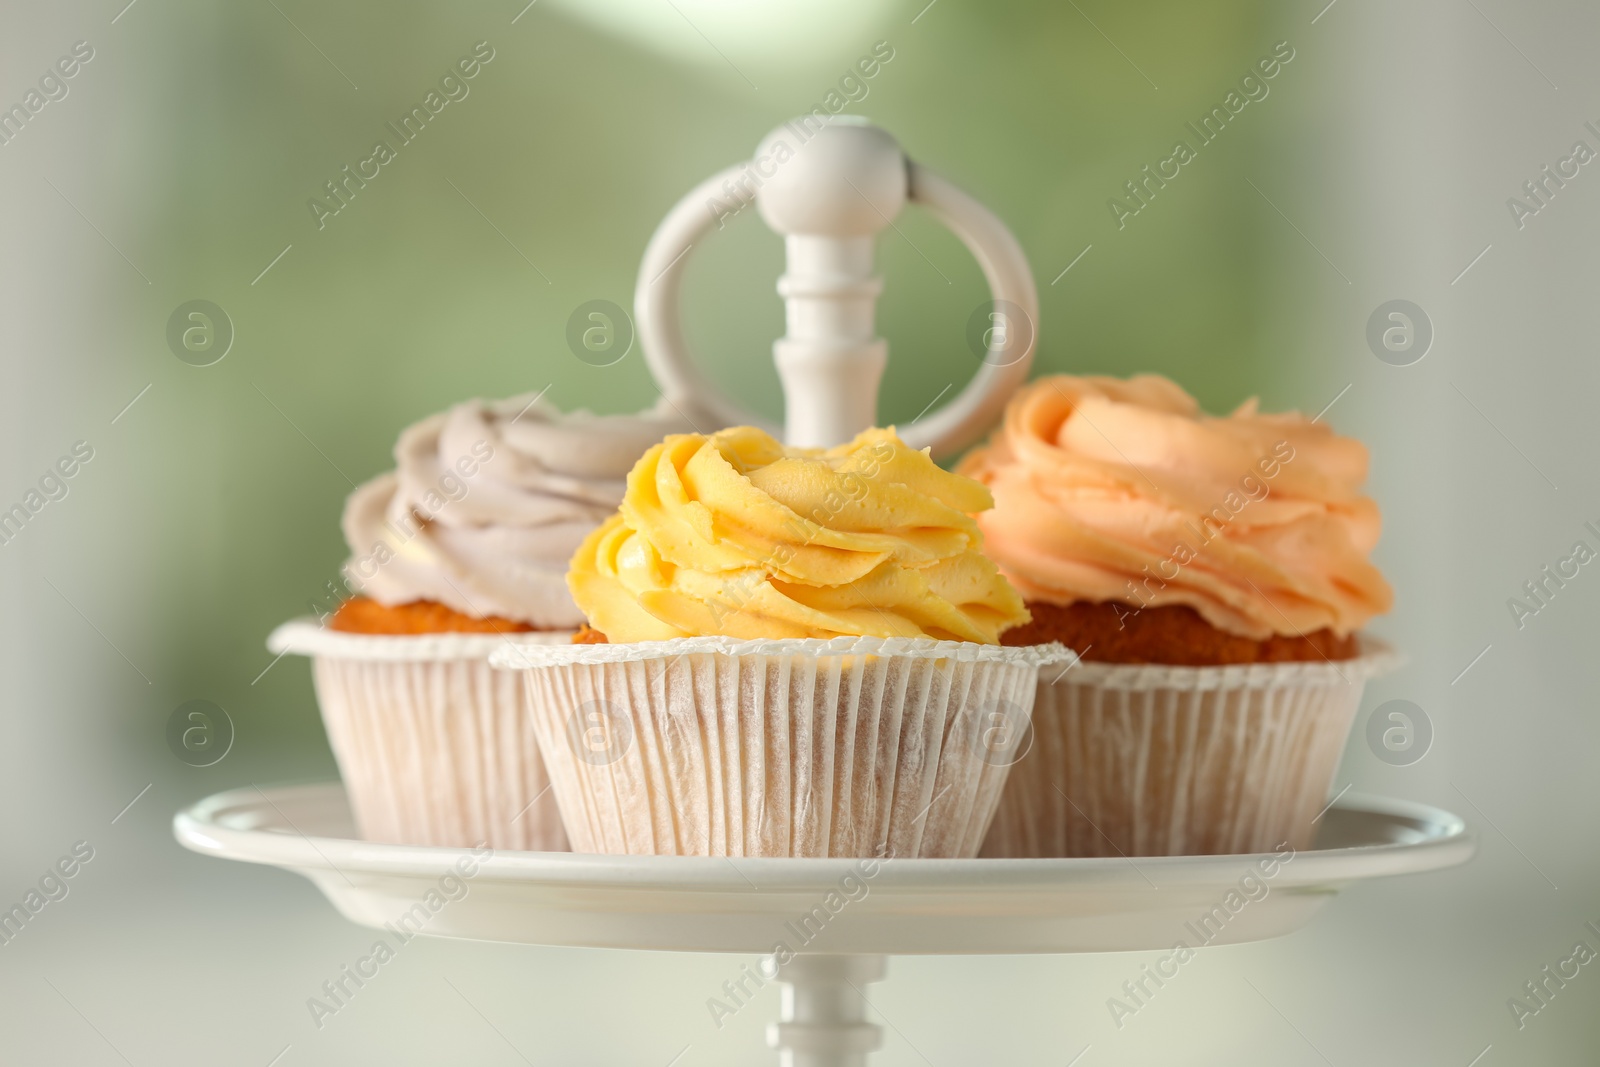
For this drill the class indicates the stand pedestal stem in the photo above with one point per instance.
(824, 1020)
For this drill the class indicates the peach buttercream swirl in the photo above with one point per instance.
(1111, 490)
(734, 534)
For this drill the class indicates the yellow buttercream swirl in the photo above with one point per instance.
(734, 534)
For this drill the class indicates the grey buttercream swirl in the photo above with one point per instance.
(488, 502)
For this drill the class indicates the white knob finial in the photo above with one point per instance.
(845, 179)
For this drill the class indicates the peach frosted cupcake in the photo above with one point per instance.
(802, 658)
(459, 550)
(1213, 575)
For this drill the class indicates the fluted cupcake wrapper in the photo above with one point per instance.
(1165, 761)
(853, 747)
(434, 746)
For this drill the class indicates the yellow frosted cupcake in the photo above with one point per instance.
(802, 657)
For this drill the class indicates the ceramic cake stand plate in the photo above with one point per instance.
(888, 907)
(838, 918)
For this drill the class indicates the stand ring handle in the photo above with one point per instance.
(1009, 340)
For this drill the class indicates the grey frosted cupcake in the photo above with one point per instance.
(460, 550)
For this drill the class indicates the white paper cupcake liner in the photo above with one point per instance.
(710, 746)
(1137, 760)
(434, 746)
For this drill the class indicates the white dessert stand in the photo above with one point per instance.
(891, 907)
(830, 188)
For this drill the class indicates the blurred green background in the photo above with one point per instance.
(573, 142)
(180, 165)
